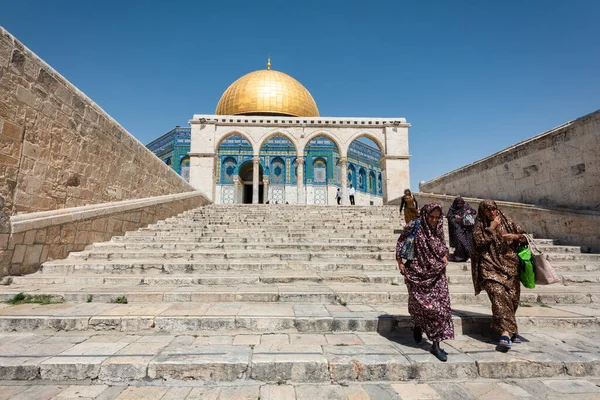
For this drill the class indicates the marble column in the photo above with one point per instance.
(300, 177)
(265, 189)
(344, 180)
(255, 176)
(237, 189)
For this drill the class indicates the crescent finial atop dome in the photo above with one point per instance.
(269, 62)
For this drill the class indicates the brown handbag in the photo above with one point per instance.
(544, 272)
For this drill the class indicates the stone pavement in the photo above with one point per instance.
(338, 357)
(485, 389)
(286, 302)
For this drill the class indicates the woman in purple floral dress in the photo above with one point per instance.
(425, 277)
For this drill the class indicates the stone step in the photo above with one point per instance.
(197, 318)
(197, 268)
(241, 233)
(207, 254)
(305, 246)
(254, 239)
(325, 293)
(281, 254)
(472, 388)
(279, 359)
(296, 247)
(153, 266)
(268, 277)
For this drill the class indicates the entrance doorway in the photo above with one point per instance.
(248, 194)
(246, 174)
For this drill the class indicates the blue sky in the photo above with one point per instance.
(472, 77)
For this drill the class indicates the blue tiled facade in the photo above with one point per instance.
(173, 148)
(278, 160)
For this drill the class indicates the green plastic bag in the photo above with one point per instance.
(526, 267)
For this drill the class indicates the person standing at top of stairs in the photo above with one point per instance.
(351, 192)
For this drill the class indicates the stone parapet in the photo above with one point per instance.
(59, 149)
(570, 227)
(558, 168)
(34, 238)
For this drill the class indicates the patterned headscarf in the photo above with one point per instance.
(430, 241)
(500, 254)
(482, 221)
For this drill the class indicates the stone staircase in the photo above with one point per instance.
(279, 294)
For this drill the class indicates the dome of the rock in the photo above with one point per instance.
(267, 92)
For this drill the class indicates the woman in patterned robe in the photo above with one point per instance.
(460, 234)
(494, 266)
(410, 206)
(425, 277)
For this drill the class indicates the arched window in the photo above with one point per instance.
(362, 180)
(372, 183)
(228, 170)
(277, 171)
(184, 168)
(351, 175)
(320, 171)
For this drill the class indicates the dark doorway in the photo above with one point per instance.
(248, 194)
(246, 175)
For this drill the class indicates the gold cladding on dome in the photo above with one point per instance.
(267, 92)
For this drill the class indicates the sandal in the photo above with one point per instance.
(516, 339)
(417, 334)
(439, 354)
(503, 344)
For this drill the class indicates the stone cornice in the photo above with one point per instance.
(43, 219)
(262, 120)
(201, 154)
(395, 158)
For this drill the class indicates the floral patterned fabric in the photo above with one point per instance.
(428, 296)
(494, 267)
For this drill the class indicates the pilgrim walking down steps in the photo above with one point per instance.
(410, 206)
(461, 218)
(425, 278)
(494, 266)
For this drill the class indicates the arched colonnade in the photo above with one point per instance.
(260, 182)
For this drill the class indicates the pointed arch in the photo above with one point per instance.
(263, 140)
(243, 135)
(378, 139)
(325, 134)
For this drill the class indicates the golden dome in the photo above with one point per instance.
(267, 92)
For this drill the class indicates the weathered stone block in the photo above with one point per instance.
(32, 254)
(207, 363)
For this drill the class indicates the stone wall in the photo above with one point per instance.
(570, 227)
(58, 149)
(558, 168)
(51, 235)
